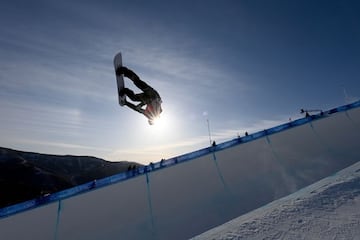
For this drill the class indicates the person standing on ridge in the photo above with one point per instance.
(149, 97)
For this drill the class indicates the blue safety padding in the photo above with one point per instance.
(55, 197)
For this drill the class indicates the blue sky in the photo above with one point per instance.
(244, 65)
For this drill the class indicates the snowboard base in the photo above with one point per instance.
(119, 78)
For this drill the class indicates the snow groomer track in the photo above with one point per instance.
(186, 195)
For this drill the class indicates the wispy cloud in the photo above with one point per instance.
(54, 147)
(40, 119)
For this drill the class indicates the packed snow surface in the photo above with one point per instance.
(328, 209)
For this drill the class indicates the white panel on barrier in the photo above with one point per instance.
(182, 196)
(354, 116)
(39, 223)
(119, 211)
(340, 141)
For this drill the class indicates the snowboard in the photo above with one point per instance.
(119, 78)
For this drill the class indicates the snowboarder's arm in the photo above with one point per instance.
(140, 105)
(135, 107)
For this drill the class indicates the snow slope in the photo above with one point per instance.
(328, 209)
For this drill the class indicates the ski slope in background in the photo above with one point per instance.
(328, 209)
(189, 194)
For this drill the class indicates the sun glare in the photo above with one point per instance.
(157, 121)
(160, 122)
(161, 126)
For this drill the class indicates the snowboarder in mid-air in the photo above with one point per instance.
(149, 97)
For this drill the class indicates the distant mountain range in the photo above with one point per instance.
(27, 175)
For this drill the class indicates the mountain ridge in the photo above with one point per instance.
(27, 175)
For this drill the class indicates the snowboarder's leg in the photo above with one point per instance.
(130, 94)
(133, 77)
(141, 84)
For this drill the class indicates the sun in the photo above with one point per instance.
(161, 125)
(159, 122)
